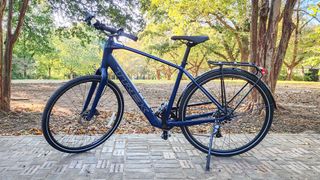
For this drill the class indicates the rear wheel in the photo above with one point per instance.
(64, 124)
(251, 119)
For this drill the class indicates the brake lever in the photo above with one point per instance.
(88, 18)
(119, 32)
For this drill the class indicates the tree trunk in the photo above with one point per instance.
(49, 73)
(287, 29)
(268, 54)
(294, 61)
(7, 63)
(11, 38)
(169, 73)
(25, 68)
(296, 37)
(2, 8)
(245, 49)
(254, 40)
(254, 31)
(289, 73)
(196, 71)
(261, 52)
(7, 75)
(158, 73)
(271, 40)
(168, 76)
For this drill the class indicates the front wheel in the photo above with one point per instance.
(247, 97)
(63, 121)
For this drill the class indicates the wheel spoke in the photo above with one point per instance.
(72, 131)
(245, 103)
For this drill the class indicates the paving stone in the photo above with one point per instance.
(118, 152)
(30, 170)
(102, 164)
(139, 175)
(279, 156)
(137, 166)
(169, 155)
(186, 164)
(169, 175)
(178, 149)
(192, 152)
(176, 165)
(116, 168)
(59, 169)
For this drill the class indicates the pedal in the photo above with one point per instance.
(218, 135)
(165, 135)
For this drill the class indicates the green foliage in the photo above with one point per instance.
(311, 47)
(168, 18)
(77, 59)
(48, 66)
(33, 40)
(55, 47)
(312, 75)
(118, 13)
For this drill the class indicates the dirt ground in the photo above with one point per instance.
(299, 108)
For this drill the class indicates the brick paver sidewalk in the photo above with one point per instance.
(279, 156)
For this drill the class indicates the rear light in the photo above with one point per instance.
(263, 71)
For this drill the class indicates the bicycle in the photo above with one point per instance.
(214, 119)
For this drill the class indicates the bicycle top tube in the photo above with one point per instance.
(115, 45)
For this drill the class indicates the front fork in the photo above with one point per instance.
(103, 83)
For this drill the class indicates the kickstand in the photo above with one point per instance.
(215, 129)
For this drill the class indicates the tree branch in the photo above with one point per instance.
(306, 12)
(300, 60)
(306, 23)
(220, 19)
(2, 7)
(9, 23)
(221, 55)
(22, 13)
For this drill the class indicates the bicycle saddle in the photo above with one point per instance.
(193, 39)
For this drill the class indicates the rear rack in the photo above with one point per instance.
(259, 69)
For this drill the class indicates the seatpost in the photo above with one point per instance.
(186, 55)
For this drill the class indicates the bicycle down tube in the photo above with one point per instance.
(180, 68)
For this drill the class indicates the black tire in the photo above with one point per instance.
(63, 125)
(263, 118)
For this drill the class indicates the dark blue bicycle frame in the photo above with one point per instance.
(109, 61)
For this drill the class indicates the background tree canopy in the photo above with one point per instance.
(227, 23)
(55, 44)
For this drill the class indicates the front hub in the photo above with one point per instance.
(84, 120)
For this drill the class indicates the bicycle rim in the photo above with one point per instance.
(252, 117)
(65, 126)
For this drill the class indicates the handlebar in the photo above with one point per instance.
(91, 21)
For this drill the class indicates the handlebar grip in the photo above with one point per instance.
(130, 36)
(109, 29)
(100, 26)
(103, 27)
